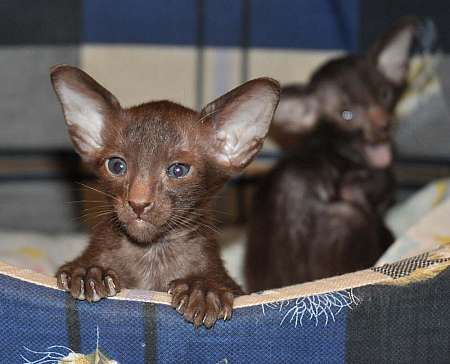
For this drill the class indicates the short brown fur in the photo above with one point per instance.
(157, 231)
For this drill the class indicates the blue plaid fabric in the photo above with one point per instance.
(373, 323)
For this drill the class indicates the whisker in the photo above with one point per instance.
(93, 208)
(180, 221)
(88, 217)
(208, 115)
(84, 201)
(110, 220)
(97, 209)
(201, 210)
(180, 224)
(190, 222)
(99, 191)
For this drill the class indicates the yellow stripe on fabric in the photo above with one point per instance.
(441, 191)
(442, 239)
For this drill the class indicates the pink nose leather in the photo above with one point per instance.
(139, 207)
(140, 196)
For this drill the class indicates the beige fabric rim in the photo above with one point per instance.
(339, 283)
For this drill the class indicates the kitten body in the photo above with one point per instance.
(159, 165)
(318, 213)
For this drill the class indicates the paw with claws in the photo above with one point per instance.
(201, 302)
(92, 284)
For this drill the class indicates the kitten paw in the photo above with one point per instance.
(200, 301)
(91, 284)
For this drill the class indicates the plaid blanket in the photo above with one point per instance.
(395, 313)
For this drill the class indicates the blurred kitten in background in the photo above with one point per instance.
(318, 213)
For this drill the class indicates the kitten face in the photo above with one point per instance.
(359, 100)
(153, 165)
(356, 97)
(355, 94)
(160, 162)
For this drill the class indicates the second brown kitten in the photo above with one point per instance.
(318, 212)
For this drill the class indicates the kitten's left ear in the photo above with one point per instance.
(391, 53)
(238, 122)
(87, 108)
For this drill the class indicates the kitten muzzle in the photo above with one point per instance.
(379, 155)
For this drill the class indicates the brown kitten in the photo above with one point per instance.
(318, 212)
(160, 164)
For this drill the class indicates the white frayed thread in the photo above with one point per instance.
(324, 306)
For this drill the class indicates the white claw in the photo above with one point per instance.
(63, 278)
(180, 305)
(95, 296)
(81, 296)
(111, 286)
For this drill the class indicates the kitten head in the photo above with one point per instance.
(355, 94)
(161, 162)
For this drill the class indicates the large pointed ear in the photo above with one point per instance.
(237, 123)
(297, 113)
(392, 52)
(86, 105)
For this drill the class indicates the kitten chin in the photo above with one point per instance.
(141, 231)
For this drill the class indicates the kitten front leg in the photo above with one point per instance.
(202, 300)
(90, 282)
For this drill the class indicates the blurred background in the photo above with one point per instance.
(191, 51)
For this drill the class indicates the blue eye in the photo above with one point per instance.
(347, 115)
(178, 170)
(116, 166)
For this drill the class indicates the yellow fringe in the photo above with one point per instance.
(441, 190)
(443, 240)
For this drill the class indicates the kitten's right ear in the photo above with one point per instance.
(392, 51)
(86, 106)
(297, 112)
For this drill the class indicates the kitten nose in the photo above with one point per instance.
(139, 207)
(379, 117)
